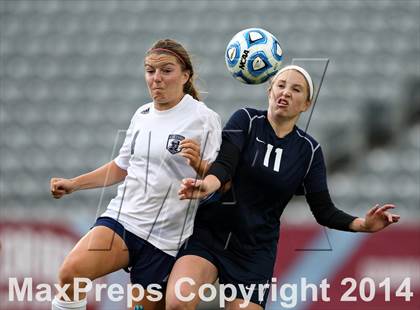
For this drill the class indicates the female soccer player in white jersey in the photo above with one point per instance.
(162, 145)
(269, 160)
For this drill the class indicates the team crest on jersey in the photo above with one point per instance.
(172, 145)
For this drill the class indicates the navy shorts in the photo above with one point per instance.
(147, 264)
(252, 269)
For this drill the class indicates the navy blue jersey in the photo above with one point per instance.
(269, 172)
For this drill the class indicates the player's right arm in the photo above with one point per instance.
(223, 169)
(197, 189)
(106, 175)
(111, 173)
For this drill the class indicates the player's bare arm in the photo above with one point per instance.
(108, 174)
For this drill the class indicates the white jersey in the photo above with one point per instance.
(147, 202)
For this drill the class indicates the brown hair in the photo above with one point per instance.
(171, 47)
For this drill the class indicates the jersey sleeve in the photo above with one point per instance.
(212, 138)
(123, 158)
(236, 129)
(316, 177)
(233, 140)
(326, 213)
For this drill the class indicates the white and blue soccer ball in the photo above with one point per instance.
(253, 56)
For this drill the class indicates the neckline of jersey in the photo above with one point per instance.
(273, 132)
(177, 107)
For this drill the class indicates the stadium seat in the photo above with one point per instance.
(72, 76)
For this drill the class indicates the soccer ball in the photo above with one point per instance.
(253, 56)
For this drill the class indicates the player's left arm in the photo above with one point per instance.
(327, 214)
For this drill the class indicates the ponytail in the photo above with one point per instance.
(189, 88)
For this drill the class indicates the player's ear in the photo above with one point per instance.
(306, 105)
(269, 92)
(270, 87)
(185, 76)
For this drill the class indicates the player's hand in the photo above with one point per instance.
(60, 187)
(190, 149)
(192, 189)
(378, 218)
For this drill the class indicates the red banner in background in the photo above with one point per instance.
(31, 254)
(381, 271)
(371, 275)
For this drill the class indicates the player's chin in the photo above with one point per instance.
(159, 99)
(280, 111)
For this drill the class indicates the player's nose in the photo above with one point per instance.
(157, 77)
(285, 92)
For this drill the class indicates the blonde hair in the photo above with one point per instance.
(308, 79)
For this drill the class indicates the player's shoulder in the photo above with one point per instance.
(245, 118)
(203, 108)
(143, 110)
(249, 114)
(203, 112)
(253, 113)
(307, 138)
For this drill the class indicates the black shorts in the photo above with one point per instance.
(147, 264)
(252, 269)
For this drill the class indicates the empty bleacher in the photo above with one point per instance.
(72, 76)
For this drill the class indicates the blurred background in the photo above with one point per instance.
(72, 77)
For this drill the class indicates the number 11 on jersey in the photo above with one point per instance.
(277, 161)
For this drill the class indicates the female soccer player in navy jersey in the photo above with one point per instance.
(162, 145)
(268, 159)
